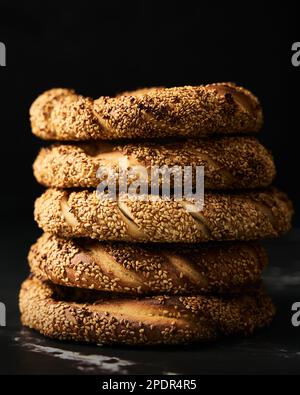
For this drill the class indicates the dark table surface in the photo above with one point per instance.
(275, 350)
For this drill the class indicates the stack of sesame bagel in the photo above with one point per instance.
(151, 271)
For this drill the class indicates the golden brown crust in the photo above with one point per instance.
(240, 216)
(150, 320)
(183, 111)
(229, 162)
(147, 269)
(140, 91)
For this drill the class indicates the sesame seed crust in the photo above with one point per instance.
(229, 162)
(145, 269)
(236, 216)
(140, 91)
(191, 111)
(58, 313)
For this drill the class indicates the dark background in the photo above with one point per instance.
(102, 47)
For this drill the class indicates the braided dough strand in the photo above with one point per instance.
(192, 111)
(68, 314)
(145, 269)
(229, 162)
(243, 216)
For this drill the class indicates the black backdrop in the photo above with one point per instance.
(103, 47)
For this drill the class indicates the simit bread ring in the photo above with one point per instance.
(229, 162)
(238, 216)
(190, 111)
(147, 269)
(91, 316)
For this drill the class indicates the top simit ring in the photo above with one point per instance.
(189, 111)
